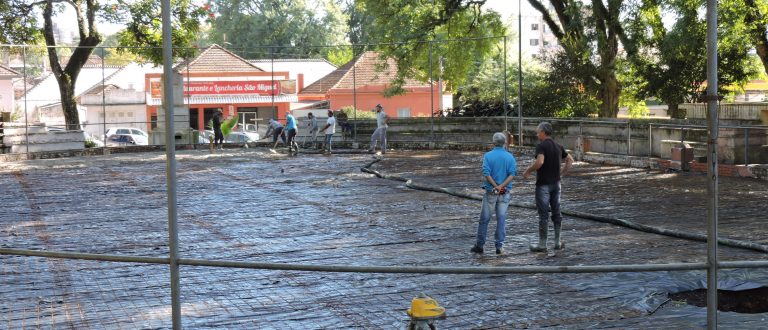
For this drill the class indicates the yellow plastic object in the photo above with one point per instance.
(424, 307)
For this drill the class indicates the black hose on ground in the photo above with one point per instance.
(611, 220)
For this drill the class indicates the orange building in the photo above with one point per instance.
(361, 83)
(219, 79)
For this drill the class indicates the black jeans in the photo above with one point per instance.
(218, 136)
(291, 137)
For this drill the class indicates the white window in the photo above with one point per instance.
(129, 114)
(534, 42)
(120, 114)
(534, 27)
(544, 28)
(403, 112)
(546, 43)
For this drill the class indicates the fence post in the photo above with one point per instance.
(26, 97)
(650, 140)
(170, 169)
(629, 138)
(746, 145)
(431, 100)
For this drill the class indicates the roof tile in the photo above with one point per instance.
(8, 72)
(367, 69)
(217, 59)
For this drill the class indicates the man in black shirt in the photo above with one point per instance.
(549, 155)
(218, 135)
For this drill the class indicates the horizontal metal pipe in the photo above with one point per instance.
(84, 256)
(743, 264)
(447, 269)
(389, 269)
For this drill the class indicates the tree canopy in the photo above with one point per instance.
(19, 20)
(278, 28)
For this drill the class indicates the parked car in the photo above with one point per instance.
(233, 137)
(239, 137)
(248, 129)
(139, 137)
(120, 140)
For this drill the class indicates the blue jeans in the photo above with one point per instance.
(498, 203)
(548, 200)
(328, 140)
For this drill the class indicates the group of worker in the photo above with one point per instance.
(287, 133)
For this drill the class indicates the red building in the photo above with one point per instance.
(362, 83)
(219, 79)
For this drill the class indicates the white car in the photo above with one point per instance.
(140, 137)
(249, 130)
(233, 137)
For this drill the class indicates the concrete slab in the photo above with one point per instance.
(257, 206)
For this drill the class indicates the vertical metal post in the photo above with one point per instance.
(272, 73)
(520, 69)
(746, 145)
(26, 97)
(431, 98)
(712, 175)
(170, 171)
(506, 104)
(682, 136)
(103, 103)
(354, 95)
(629, 138)
(650, 140)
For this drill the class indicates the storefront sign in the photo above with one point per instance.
(267, 87)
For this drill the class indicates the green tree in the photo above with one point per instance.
(143, 33)
(112, 54)
(589, 34)
(673, 61)
(19, 19)
(403, 28)
(280, 28)
(20, 25)
(558, 90)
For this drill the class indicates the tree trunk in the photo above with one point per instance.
(674, 111)
(609, 95)
(67, 76)
(69, 104)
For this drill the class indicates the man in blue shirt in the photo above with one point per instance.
(290, 132)
(499, 167)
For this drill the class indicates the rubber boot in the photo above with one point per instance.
(542, 246)
(559, 245)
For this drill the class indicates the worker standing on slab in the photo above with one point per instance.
(329, 129)
(313, 129)
(380, 134)
(275, 130)
(291, 129)
(549, 157)
(499, 168)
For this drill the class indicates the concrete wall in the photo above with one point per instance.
(419, 102)
(727, 111)
(640, 137)
(6, 96)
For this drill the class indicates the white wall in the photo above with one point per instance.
(6, 96)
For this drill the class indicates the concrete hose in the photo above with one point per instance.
(611, 220)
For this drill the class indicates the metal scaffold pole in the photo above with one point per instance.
(520, 70)
(170, 168)
(712, 175)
